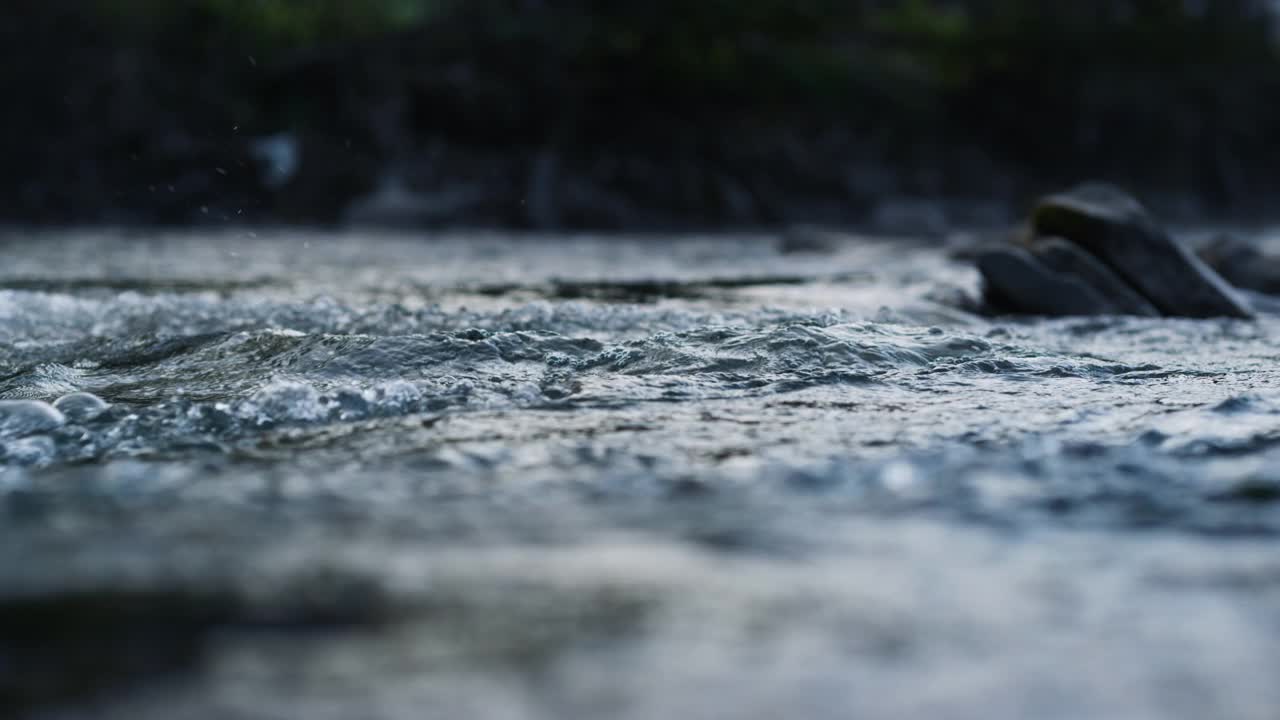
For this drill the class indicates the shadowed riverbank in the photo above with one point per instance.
(912, 116)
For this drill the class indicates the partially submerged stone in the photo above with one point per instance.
(1242, 264)
(1263, 303)
(80, 406)
(1017, 281)
(808, 239)
(1063, 257)
(20, 418)
(1117, 229)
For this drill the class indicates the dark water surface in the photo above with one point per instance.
(485, 476)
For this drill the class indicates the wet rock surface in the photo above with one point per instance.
(539, 477)
(1242, 264)
(1102, 237)
(1018, 280)
(1071, 260)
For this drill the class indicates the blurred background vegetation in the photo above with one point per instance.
(630, 113)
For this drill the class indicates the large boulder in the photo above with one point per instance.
(1016, 281)
(1114, 227)
(1071, 260)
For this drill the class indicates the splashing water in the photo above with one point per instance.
(525, 477)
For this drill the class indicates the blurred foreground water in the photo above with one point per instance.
(494, 476)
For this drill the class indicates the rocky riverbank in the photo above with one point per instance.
(635, 116)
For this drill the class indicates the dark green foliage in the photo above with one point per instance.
(271, 23)
(1150, 92)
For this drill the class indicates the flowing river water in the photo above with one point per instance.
(478, 475)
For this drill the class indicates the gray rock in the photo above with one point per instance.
(1242, 264)
(969, 246)
(807, 239)
(1016, 281)
(1262, 303)
(20, 418)
(80, 406)
(1063, 257)
(1117, 229)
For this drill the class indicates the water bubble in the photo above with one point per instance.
(283, 402)
(394, 397)
(19, 418)
(348, 404)
(80, 406)
(528, 394)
